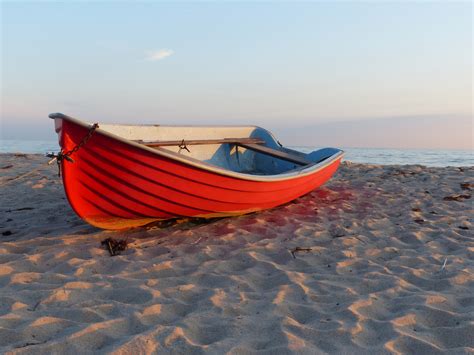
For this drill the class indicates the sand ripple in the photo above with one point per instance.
(390, 270)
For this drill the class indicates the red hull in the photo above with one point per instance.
(115, 185)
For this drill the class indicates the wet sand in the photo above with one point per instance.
(379, 260)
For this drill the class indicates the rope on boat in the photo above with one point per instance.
(66, 155)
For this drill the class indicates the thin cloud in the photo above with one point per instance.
(158, 54)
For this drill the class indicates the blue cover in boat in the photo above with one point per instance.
(322, 154)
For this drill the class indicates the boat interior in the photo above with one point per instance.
(243, 149)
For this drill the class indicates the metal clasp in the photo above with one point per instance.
(58, 158)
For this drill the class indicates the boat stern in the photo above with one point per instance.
(322, 154)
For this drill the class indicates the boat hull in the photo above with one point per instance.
(115, 185)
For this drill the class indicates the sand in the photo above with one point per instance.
(382, 262)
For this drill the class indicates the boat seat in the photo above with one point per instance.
(254, 144)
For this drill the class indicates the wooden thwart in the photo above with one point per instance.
(254, 144)
(276, 153)
(202, 142)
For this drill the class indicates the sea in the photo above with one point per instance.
(384, 156)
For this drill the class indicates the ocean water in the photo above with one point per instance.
(385, 156)
(357, 155)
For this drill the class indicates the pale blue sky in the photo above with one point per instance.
(277, 65)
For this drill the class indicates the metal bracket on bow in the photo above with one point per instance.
(183, 146)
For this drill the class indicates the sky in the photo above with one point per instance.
(362, 74)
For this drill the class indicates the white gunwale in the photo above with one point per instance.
(291, 174)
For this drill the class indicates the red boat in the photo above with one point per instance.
(122, 176)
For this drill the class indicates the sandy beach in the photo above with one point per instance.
(379, 260)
